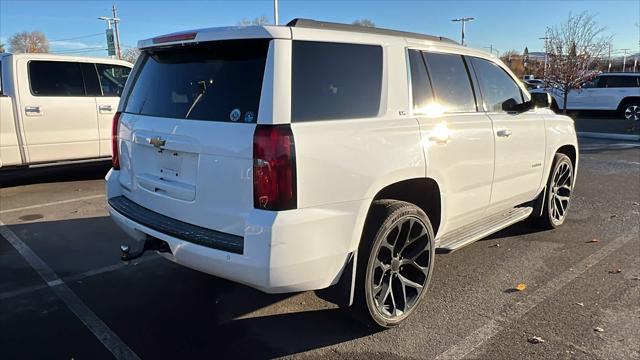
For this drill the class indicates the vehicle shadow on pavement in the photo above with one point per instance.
(290, 333)
(517, 229)
(164, 310)
(52, 174)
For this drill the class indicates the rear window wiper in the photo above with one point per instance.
(202, 88)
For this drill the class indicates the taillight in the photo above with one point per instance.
(115, 154)
(274, 168)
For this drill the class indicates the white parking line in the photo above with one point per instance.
(515, 312)
(77, 277)
(52, 203)
(100, 330)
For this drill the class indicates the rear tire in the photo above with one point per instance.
(557, 195)
(395, 262)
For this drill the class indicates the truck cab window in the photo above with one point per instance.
(112, 78)
(56, 78)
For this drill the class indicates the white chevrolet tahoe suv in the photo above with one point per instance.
(608, 91)
(326, 156)
(56, 108)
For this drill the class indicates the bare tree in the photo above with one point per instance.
(131, 55)
(574, 48)
(1, 48)
(29, 42)
(262, 20)
(364, 22)
(514, 61)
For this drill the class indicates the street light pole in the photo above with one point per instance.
(463, 21)
(624, 59)
(115, 20)
(275, 12)
(108, 20)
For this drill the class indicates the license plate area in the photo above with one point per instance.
(169, 163)
(165, 172)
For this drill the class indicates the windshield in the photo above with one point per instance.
(216, 81)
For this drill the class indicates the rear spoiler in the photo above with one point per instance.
(215, 34)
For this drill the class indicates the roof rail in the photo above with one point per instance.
(314, 24)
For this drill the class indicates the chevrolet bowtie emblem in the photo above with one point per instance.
(157, 142)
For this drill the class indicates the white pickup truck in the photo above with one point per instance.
(57, 108)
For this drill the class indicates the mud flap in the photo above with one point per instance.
(342, 292)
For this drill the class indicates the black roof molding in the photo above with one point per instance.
(314, 24)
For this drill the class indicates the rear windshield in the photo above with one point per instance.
(216, 81)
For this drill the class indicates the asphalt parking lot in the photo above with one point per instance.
(64, 293)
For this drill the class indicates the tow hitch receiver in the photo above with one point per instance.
(150, 243)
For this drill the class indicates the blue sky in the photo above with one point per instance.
(72, 26)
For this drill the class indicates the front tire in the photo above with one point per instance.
(631, 110)
(557, 194)
(395, 263)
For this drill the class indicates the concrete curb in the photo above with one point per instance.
(610, 136)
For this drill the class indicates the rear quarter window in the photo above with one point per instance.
(214, 81)
(619, 81)
(335, 81)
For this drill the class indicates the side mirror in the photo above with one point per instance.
(541, 100)
(512, 106)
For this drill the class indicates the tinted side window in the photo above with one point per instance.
(620, 81)
(601, 81)
(91, 84)
(420, 84)
(495, 84)
(112, 78)
(335, 81)
(451, 82)
(55, 78)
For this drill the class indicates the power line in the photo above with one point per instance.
(78, 37)
(78, 50)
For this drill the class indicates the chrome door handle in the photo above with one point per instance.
(32, 109)
(105, 108)
(504, 133)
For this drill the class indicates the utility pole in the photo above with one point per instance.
(275, 12)
(624, 59)
(609, 58)
(116, 20)
(463, 21)
(546, 51)
(490, 47)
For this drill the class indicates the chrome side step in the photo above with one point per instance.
(481, 228)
